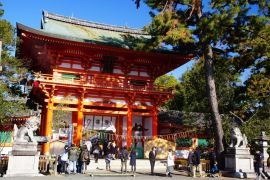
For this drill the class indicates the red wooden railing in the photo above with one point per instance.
(100, 82)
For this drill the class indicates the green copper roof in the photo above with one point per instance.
(87, 31)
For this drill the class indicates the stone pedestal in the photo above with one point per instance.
(23, 166)
(23, 160)
(239, 163)
(24, 149)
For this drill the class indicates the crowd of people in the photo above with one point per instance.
(75, 160)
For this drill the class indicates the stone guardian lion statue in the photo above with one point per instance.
(237, 138)
(25, 133)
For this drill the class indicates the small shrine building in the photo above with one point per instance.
(92, 69)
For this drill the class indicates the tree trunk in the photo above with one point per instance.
(212, 98)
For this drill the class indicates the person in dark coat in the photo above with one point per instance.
(132, 161)
(196, 161)
(190, 163)
(84, 158)
(152, 159)
(123, 156)
(258, 162)
(96, 153)
(212, 158)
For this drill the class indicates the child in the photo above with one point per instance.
(214, 170)
(108, 161)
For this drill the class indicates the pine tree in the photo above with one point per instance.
(9, 106)
(206, 29)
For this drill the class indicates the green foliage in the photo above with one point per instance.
(60, 117)
(165, 28)
(9, 107)
(239, 40)
(167, 81)
(192, 92)
(253, 129)
(183, 142)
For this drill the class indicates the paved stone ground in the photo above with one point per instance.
(97, 171)
(114, 175)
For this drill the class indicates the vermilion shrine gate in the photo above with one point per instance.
(95, 67)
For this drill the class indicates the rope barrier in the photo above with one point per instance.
(171, 137)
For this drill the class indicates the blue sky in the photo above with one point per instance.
(115, 12)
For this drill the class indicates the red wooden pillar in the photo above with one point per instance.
(154, 122)
(79, 129)
(129, 126)
(48, 126)
(77, 120)
(74, 123)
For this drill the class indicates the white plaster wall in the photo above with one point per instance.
(95, 68)
(65, 65)
(93, 99)
(118, 101)
(144, 74)
(135, 73)
(77, 66)
(57, 75)
(148, 103)
(117, 71)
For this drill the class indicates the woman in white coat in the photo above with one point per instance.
(170, 163)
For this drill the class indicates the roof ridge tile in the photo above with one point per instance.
(96, 25)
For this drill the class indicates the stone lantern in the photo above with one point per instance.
(263, 144)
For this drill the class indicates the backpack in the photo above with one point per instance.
(85, 155)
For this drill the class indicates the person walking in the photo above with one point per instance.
(258, 162)
(73, 156)
(84, 158)
(96, 153)
(170, 163)
(63, 160)
(190, 162)
(108, 159)
(132, 161)
(152, 159)
(123, 156)
(196, 161)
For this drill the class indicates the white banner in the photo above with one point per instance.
(88, 122)
(106, 123)
(97, 122)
